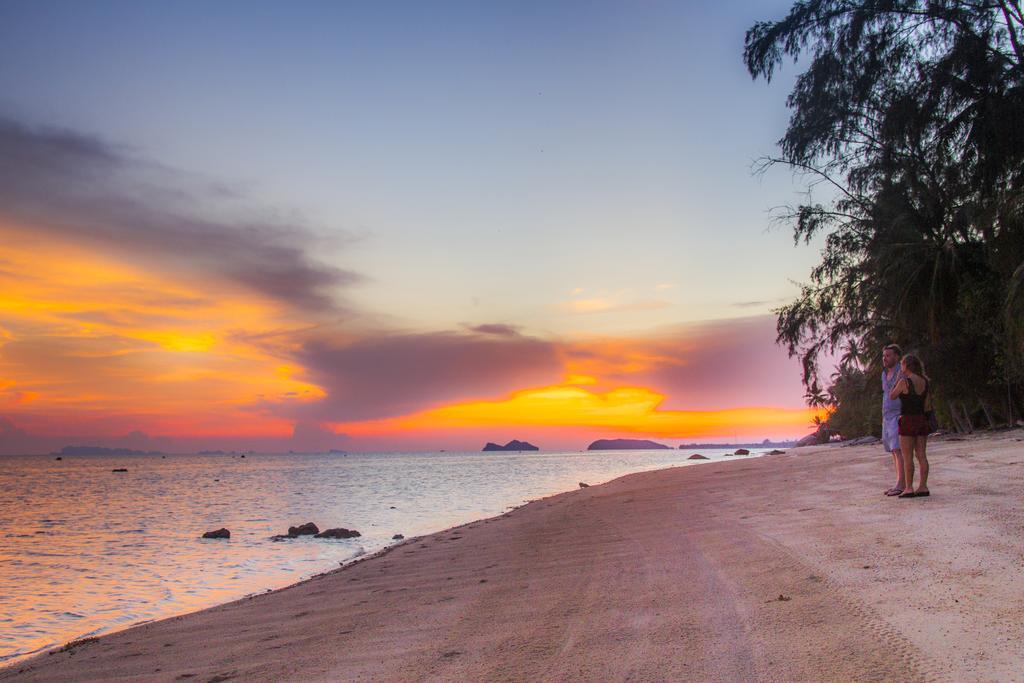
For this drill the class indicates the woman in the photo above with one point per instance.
(912, 391)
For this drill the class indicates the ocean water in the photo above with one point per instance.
(84, 550)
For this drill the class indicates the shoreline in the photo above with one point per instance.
(493, 489)
(704, 575)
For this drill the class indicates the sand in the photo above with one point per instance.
(784, 568)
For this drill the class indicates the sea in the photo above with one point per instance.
(85, 550)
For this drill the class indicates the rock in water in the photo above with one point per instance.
(516, 445)
(338, 533)
(584, 486)
(624, 444)
(776, 452)
(513, 445)
(219, 533)
(397, 537)
(120, 469)
(698, 456)
(307, 529)
(741, 451)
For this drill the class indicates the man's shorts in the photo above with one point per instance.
(891, 432)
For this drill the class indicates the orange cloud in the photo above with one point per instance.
(90, 340)
(697, 366)
(620, 410)
(82, 334)
(93, 343)
(97, 344)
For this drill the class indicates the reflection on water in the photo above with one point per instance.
(84, 550)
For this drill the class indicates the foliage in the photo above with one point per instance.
(852, 395)
(913, 111)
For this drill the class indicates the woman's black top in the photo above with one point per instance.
(912, 403)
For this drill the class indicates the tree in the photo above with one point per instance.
(914, 112)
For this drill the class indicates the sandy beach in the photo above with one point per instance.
(791, 567)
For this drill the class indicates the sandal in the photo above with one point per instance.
(908, 494)
(894, 491)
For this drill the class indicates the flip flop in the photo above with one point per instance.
(893, 492)
(922, 494)
(908, 494)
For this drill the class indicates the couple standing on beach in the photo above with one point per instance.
(906, 404)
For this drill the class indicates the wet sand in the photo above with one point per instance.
(791, 567)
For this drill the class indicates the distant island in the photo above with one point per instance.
(767, 443)
(624, 445)
(99, 450)
(513, 445)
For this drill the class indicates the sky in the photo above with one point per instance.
(390, 226)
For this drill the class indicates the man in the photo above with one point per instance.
(891, 356)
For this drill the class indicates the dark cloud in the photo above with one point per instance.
(705, 366)
(499, 329)
(397, 374)
(70, 186)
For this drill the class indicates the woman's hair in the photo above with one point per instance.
(914, 365)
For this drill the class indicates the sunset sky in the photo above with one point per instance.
(389, 226)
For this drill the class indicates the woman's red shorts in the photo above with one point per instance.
(913, 425)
